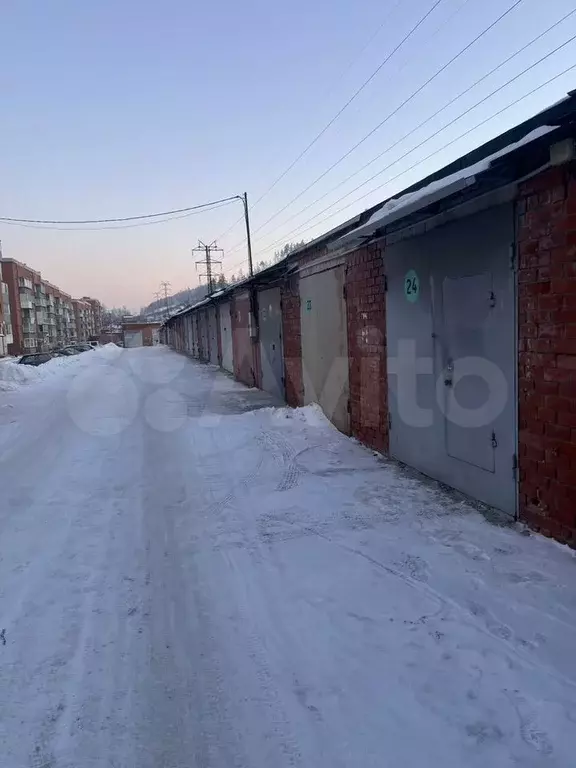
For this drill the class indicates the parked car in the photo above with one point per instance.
(94, 344)
(67, 352)
(37, 358)
(83, 347)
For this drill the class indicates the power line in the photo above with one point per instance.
(435, 114)
(395, 111)
(124, 218)
(422, 160)
(344, 107)
(113, 227)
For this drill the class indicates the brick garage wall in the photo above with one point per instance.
(366, 310)
(292, 342)
(547, 352)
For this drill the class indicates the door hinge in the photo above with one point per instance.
(492, 300)
(513, 257)
(344, 291)
(514, 466)
(389, 422)
(348, 406)
(385, 282)
(494, 441)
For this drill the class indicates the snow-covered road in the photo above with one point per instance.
(186, 582)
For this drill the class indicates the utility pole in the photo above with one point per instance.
(248, 238)
(208, 261)
(165, 289)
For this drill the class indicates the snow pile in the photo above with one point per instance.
(311, 415)
(13, 375)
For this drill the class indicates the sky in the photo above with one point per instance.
(115, 109)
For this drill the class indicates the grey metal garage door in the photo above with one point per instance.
(271, 357)
(203, 331)
(213, 335)
(325, 344)
(450, 311)
(226, 337)
(132, 338)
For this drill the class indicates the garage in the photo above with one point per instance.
(271, 357)
(203, 335)
(133, 339)
(226, 337)
(212, 315)
(324, 340)
(450, 311)
(241, 339)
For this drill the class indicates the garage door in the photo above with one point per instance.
(450, 333)
(243, 354)
(132, 338)
(203, 331)
(226, 337)
(325, 343)
(213, 335)
(271, 357)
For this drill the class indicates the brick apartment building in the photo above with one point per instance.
(97, 314)
(5, 317)
(36, 315)
(83, 318)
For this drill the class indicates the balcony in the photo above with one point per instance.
(26, 302)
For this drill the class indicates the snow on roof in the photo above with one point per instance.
(401, 206)
(465, 175)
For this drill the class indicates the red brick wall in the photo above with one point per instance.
(366, 310)
(292, 342)
(547, 352)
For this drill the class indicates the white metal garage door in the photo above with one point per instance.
(132, 338)
(325, 343)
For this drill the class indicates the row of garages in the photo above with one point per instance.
(240, 331)
(437, 328)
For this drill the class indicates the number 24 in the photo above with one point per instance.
(411, 286)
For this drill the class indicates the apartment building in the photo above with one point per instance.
(84, 319)
(36, 315)
(5, 317)
(97, 314)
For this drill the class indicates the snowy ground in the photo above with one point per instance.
(185, 581)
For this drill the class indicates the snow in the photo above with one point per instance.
(464, 176)
(13, 375)
(189, 576)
